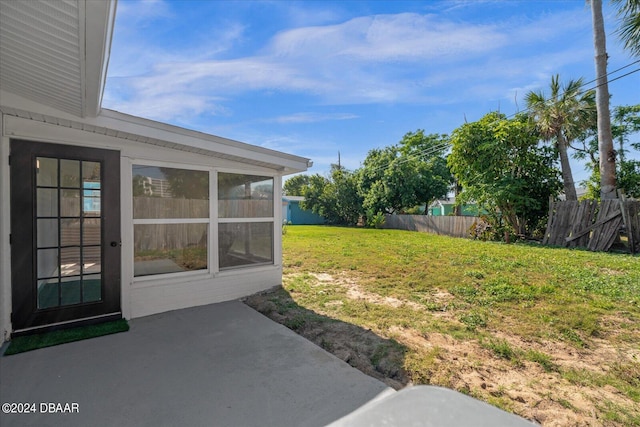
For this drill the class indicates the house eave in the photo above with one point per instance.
(98, 27)
(137, 129)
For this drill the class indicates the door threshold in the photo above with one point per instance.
(87, 321)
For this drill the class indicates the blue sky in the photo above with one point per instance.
(312, 78)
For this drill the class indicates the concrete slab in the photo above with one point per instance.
(429, 406)
(217, 365)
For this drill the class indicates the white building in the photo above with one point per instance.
(79, 241)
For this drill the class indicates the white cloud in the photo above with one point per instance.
(311, 118)
(402, 58)
(401, 37)
(170, 106)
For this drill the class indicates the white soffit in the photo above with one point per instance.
(54, 51)
(53, 64)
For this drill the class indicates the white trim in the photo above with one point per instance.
(136, 130)
(151, 280)
(277, 222)
(126, 251)
(246, 219)
(214, 255)
(139, 161)
(5, 230)
(151, 221)
(206, 273)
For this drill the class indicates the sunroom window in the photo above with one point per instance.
(246, 220)
(170, 220)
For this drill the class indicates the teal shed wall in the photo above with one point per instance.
(295, 215)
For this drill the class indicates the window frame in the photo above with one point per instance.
(213, 257)
(248, 220)
(211, 268)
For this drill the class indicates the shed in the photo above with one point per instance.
(295, 215)
(107, 215)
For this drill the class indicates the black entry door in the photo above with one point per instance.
(65, 233)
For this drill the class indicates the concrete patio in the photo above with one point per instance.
(217, 365)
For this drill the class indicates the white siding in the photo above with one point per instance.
(142, 297)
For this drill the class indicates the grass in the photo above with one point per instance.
(518, 306)
(48, 339)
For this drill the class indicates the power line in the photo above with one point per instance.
(445, 144)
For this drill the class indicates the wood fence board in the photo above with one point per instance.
(454, 226)
(593, 225)
(633, 226)
(550, 216)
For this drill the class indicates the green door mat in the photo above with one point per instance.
(48, 339)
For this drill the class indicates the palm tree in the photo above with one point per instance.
(561, 118)
(605, 138)
(629, 30)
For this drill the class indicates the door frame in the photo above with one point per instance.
(25, 316)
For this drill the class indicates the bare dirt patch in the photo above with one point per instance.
(550, 382)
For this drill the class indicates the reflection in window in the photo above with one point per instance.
(246, 223)
(160, 192)
(245, 196)
(171, 220)
(169, 248)
(242, 244)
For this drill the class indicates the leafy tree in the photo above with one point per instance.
(502, 166)
(138, 185)
(625, 124)
(187, 184)
(335, 198)
(562, 117)
(396, 178)
(296, 185)
(388, 182)
(431, 151)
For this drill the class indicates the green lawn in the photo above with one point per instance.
(551, 334)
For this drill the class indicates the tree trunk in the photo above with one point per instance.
(457, 209)
(605, 139)
(567, 177)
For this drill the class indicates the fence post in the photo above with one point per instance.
(628, 226)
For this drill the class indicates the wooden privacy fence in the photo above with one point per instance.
(454, 226)
(592, 224)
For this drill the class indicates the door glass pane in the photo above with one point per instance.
(47, 262)
(47, 233)
(91, 288)
(47, 202)
(69, 173)
(70, 232)
(91, 199)
(91, 259)
(70, 290)
(46, 172)
(90, 171)
(70, 203)
(48, 293)
(69, 261)
(91, 231)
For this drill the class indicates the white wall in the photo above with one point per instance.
(149, 296)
